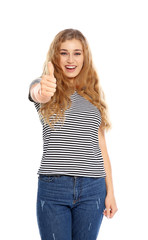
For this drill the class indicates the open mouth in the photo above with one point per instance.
(70, 68)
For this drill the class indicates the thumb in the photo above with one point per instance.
(51, 69)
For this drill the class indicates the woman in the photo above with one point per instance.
(75, 188)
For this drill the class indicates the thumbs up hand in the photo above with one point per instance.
(48, 82)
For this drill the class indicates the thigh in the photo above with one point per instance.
(54, 218)
(87, 215)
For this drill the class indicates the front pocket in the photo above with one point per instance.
(46, 178)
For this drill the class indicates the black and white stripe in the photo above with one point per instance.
(74, 149)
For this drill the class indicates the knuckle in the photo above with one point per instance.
(42, 88)
(53, 80)
(43, 77)
(49, 84)
(46, 76)
(43, 81)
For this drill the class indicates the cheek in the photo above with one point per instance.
(81, 63)
(82, 60)
(61, 62)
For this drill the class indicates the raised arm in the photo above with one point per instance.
(43, 91)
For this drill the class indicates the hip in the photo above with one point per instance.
(66, 188)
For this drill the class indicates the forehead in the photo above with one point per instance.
(71, 44)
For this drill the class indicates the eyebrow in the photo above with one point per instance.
(67, 50)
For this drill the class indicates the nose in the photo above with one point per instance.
(70, 58)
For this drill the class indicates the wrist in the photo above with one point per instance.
(37, 91)
(109, 189)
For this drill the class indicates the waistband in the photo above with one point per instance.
(55, 175)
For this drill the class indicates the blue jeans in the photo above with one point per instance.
(70, 207)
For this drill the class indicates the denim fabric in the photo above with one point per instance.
(70, 207)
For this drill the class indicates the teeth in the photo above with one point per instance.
(71, 67)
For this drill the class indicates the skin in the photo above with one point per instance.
(47, 86)
(110, 202)
(71, 54)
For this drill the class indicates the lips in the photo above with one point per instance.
(70, 67)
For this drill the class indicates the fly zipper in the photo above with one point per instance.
(74, 189)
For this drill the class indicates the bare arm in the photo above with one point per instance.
(107, 164)
(43, 91)
(110, 202)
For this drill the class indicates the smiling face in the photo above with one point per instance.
(71, 58)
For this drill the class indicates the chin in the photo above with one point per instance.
(71, 76)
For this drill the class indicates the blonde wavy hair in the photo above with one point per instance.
(86, 83)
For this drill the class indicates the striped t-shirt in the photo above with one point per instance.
(73, 149)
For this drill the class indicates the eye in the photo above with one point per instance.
(78, 53)
(63, 53)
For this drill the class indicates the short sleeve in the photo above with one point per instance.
(99, 118)
(32, 83)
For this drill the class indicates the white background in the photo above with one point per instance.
(117, 32)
